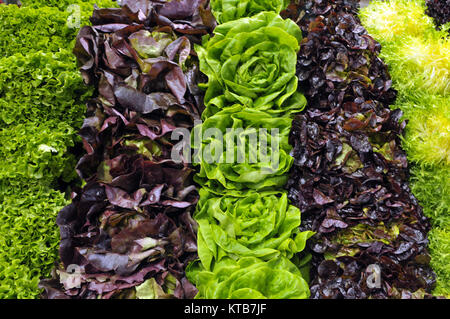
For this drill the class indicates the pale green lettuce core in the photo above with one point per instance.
(229, 10)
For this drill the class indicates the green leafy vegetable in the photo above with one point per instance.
(28, 236)
(41, 87)
(259, 225)
(251, 61)
(249, 278)
(229, 10)
(28, 29)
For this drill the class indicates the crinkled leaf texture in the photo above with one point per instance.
(350, 174)
(130, 229)
(229, 10)
(249, 278)
(251, 61)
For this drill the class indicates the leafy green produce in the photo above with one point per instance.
(229, 10)
(417, 53)
(41, 87)
(38, 151)
(418, 56)
(87, 5)
(251, 61)
(42, 100)
(431, 186)
(440, 261)
(238, 160)
(259, 225)
(28, 236)
(134, 211)
(249, 278)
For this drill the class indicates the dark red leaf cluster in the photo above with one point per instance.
(132, 220)
(439, 10)
(350, 175)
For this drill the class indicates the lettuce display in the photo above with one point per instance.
(350, 174)
(418, 56)
(229, 10)
(237, 164)
(251, 61)
(129, 230)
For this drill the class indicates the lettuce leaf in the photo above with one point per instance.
(249, 278)
(28, 236)
(229, 10)
(222, 172)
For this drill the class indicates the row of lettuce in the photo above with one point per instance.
(41, 109)
(418, 55)
(350, 174)
(249, 242)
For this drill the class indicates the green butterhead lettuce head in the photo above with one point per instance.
(229, 10)
(249, 278)
(259, 225)
(237, 152)
(252, 61)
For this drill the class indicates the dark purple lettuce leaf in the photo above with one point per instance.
(439, 10)
(350, 174)
(131, 223)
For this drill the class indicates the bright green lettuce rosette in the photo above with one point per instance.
(249, 278)
(241, 148)
(258, 225)
(229, 10)
(251, 61)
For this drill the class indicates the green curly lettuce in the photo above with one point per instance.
(258, 225)
(440, 259)
(37, 151)
(431, 185)
(229, 10)
(28, 29)
(29, 237)
(251, 61)
(41, 87)
(249, 278)
(87, 5)
(248, 153)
